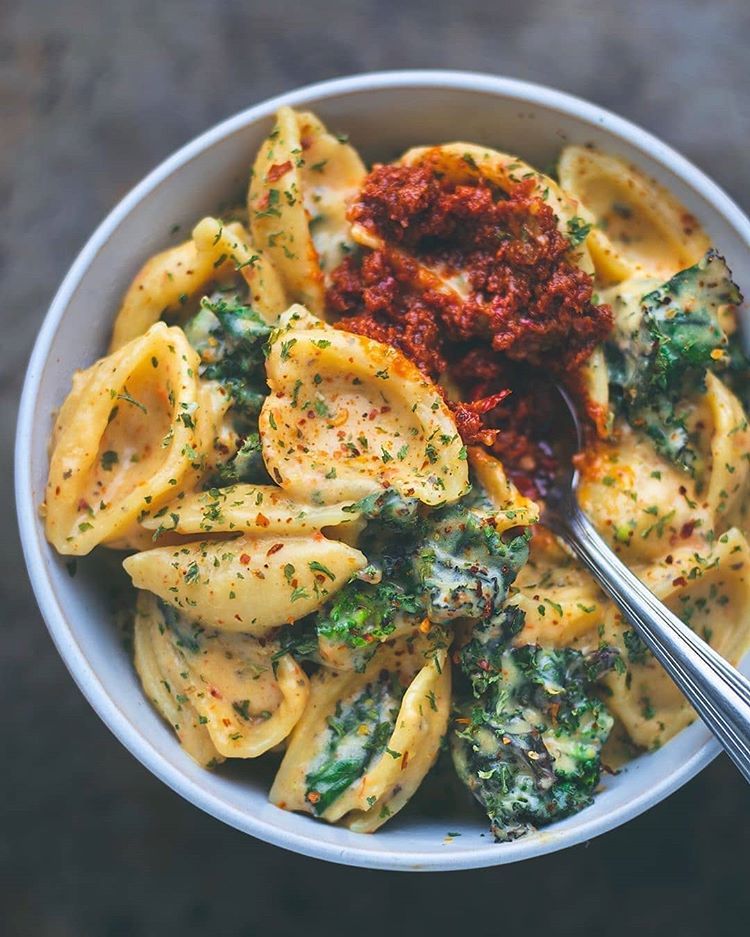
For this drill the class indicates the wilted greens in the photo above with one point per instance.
(659, 354)
(358, 731)
(441, 564)
(230, 339)
(529, 745)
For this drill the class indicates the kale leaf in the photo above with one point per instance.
(246, 465)
(364, 613)
(358, 731)
(529, 749)
(660, 353)
(481, 658)
(443, 564)
(463, 567)
(300, 639)
(230, 339)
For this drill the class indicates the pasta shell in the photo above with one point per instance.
(364, 792)
(301, 183)
(135, 431)
(227, 695)
(562, 604)
(514, 510)
(467, 162)
(260, 509)
(165, 283)
(348, 416)
(641, 228)
(645, 699)
(728, 470)
(250, 584)
(231, 244)
(639, 500)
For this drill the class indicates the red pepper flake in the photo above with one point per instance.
(215, 693)
(312, 797)
(404, 760)
(470, 418)
(245, 559)
(687, 530)
(679, 582)
(275, 549)
(278, 170)
(262, 521)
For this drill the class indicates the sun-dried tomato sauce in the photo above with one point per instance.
(522, 313)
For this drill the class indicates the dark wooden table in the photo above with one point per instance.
(94, 93)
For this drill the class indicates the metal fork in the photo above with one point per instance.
(716, 690)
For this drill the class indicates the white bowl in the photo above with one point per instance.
(384, 114)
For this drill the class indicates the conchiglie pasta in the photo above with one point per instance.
(166, 282)
(259, 509)
(710, 591)
(160, 678)
(246, 696)
(231, 243)
(302, 180)
(562, 604)
(135, 431)
(728, 470)
(466, 163)
(250, 584)
(641, 229)
(348, 416)
(513, 509)
(366, 740)
(638, 500)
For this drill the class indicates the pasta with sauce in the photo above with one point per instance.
(322, 436)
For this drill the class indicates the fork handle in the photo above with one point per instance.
(716, 690)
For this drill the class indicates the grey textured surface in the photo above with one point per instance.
(93, 94)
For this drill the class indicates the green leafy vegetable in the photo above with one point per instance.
(363, 613)
(300, 640)
(660, 352)
(389, 508)
(578, 231)
(246, 465)
(463, 567)
(230, 339)
(481, 658)
(358, 731)
(529, 749)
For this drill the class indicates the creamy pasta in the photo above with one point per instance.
(322, 436)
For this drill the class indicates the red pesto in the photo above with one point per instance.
(525, 317)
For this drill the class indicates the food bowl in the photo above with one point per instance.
(384, 114)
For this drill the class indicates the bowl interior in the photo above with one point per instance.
(383, 116)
